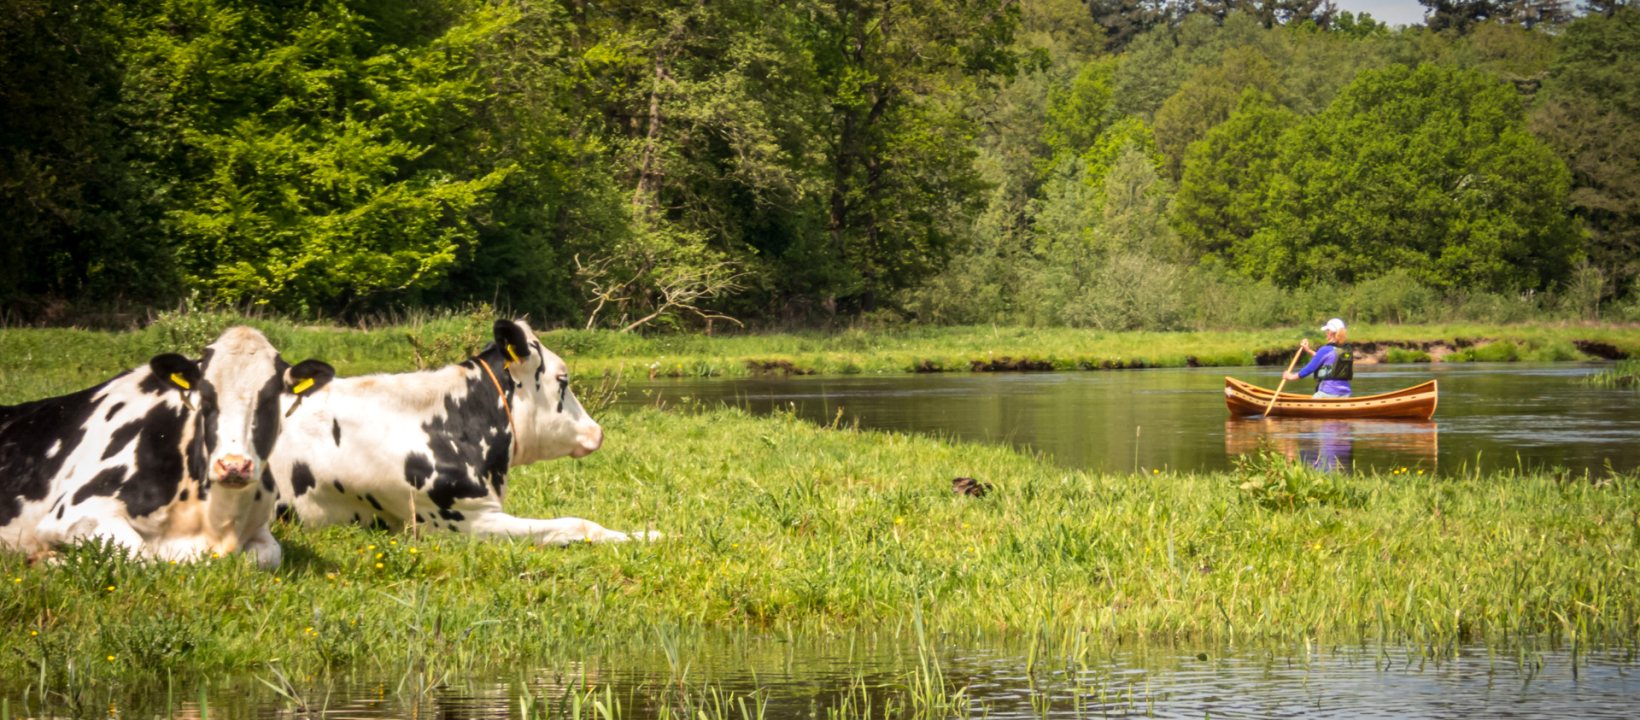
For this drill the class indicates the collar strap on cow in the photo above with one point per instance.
(506, 404)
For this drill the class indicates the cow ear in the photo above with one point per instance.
(176, 370)
(308, 376)
(511, 341)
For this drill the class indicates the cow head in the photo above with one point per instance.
(239, 390)
(551, 422)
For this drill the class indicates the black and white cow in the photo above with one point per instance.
(433, 448)
(165, 460)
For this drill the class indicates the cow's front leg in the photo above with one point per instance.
(263, 548)
(557, 531)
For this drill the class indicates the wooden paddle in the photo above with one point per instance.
(1283, 382)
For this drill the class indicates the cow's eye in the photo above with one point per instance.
(563, 389)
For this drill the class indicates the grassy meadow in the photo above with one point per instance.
(774, 525)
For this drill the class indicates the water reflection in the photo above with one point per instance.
(857, 678)
(1329, 444)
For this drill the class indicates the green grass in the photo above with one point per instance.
(775, 525)
(40, 362)
(1625, 374)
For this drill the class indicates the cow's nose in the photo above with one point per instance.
(233, 466)
(590, 442)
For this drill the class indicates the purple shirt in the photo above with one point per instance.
(1324, 356)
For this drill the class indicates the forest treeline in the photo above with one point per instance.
(1114, 164)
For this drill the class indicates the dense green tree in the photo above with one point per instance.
(1429, 170)
(1228, 174)
(1459, 16)
(1590, 114)
(1207, 98)
(310, 147)
(1079, 110)
(899, 145)
(78, 225)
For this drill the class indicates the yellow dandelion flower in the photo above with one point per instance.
(412, 551)
(16, 579)
(372, 547)
(378, 556)
(111, 588)
(380, 566)
(392, 542)
(899, 521)
(111, 658)
(34, 633)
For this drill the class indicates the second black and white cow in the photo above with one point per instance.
(433, 448)
(167, 460)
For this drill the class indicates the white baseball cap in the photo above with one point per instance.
(1333, 325)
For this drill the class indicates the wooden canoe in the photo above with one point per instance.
(1417, 401)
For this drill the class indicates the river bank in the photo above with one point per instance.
(46, 361)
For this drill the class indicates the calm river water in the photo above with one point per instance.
(1495, 416)
(859, 678)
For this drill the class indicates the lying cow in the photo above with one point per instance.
(433, 448)
(166, 460)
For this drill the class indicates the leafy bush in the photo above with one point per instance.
(1275, 482)
(1405, 355)
(1396, 296)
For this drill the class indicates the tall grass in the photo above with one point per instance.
(1625, 374)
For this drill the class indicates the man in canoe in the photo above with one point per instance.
(1333, 364)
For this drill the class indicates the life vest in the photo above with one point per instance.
(1342, 367)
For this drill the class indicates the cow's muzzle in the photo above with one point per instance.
(589, 442)
(233, 470)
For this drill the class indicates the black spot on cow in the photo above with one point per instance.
(540, 369)
(452, 515)
(257, 497)
(373, 503)
(417, 471)
(418, 519)
(336, 431)
(339, 487)
(160, 463)
(103, 484)
(122, 436)
(284, 512)
(265, 420)
(60, 509)
(301, 479)
(356, 519)
(27, 432)
(183, 496)
(268, 483)
(114, 410)
(377, 523)
(458, 439)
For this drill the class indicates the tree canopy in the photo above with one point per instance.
(633, 164)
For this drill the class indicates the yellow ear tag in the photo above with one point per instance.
(512, 354)
(302, 386)
(180, 381)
